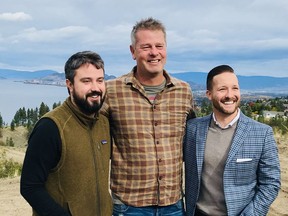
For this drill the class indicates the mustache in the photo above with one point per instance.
(230, 99)
(94, 93)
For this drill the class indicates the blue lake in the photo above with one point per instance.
(16, 95)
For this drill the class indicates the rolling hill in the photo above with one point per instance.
(197, 80)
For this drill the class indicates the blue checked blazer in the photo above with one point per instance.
(252, 172)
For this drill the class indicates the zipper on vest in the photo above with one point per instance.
(94, 152)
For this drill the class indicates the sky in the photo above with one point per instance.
(249, 35)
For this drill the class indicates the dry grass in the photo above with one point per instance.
(18, 136)
(11, 202)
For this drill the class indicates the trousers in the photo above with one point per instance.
(176, 209)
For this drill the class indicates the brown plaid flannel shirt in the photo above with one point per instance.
(146, 165)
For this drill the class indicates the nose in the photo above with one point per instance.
(95, 86)
(229, 93)
(153, 51)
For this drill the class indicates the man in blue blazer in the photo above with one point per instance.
(231, 161)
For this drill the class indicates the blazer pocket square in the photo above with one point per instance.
(240, 160)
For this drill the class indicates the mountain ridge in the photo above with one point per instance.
(197, 80)
(245, 82)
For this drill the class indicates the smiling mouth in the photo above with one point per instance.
(229, 102)
(154, 61)
(94, 95)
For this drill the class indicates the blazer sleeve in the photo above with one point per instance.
(268, 178)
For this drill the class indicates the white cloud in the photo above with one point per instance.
(50, 35)
(18, 16)
(251, 34)
(273, 43)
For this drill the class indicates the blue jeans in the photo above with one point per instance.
(176, 209)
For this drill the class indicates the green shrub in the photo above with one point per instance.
(9, 168)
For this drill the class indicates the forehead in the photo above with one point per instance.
(89, 70)
(149, 35)
(225, 79)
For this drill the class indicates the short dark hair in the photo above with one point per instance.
(80, 58)
(215, 71)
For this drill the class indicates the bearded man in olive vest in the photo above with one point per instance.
(66, 166)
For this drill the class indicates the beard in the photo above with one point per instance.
(87, 107)
(221, 109)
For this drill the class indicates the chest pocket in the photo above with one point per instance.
(246, 171)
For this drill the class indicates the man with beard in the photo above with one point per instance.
(231, 161)
(66, 166)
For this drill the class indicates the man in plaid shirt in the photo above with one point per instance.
(147, 109)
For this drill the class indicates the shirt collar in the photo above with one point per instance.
(231, 123)
(130, 79)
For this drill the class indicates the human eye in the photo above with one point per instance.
(236, 87)
(145, 47)
(101, 80)
(160, 46)
(85, 81)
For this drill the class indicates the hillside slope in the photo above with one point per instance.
(12, 203)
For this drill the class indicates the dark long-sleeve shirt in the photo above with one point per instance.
(43, 154)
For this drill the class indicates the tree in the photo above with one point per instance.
(23, 116)
(1, 121)
(12, 125)
(34, 116)
(56, 104)
(1, 125)
(206, 107)
(260, 118)
(10, 142)
(43, 109)
(246, 109)
(16, 119)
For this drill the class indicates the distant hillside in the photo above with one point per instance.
(245, 82)
(45, 77)
(197, 80)
(23, 75)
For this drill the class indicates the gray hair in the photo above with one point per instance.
(147, 24)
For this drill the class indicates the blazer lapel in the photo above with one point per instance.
(241, 132)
